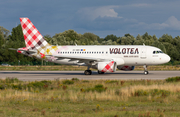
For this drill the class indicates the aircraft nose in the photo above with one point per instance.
(168, 58)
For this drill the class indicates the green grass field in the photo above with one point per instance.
(77, 68)
(87, 98)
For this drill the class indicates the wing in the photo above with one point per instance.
(81, 59)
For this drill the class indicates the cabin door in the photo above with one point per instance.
(143, 52)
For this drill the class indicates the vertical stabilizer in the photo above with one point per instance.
(33, 38)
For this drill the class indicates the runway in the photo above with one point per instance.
(52, 75)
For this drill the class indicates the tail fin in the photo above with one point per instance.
(32, 37)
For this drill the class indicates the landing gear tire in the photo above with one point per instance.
(87, 72)
(99, 72)
(146, 72)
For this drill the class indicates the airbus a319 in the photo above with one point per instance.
(104, 58)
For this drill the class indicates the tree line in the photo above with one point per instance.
(15, 39)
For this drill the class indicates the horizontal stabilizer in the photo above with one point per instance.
(12, 49)
(28, 51)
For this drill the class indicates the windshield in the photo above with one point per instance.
(157, 52)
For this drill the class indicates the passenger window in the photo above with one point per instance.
(154, 52)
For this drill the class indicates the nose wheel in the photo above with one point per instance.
(145, 70)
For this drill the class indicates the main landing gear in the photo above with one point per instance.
(99, 72)
(145, 70)
(88, 72)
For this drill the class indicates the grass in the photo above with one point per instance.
(173, 79)
(105, 98)
(78, 68)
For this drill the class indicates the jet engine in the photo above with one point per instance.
(107, 66)
(126, 68)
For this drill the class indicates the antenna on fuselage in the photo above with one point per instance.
(75, 44)
(144, 44)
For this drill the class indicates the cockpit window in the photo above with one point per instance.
(157, 52)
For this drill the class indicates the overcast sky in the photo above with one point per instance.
(101, 17)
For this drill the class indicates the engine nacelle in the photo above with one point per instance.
(107, 66)
(126, 68)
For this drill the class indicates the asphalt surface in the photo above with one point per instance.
(52, 75)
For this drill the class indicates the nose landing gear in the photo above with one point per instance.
(145, 70)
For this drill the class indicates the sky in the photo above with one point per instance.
(101, 17)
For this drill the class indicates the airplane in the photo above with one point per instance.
(103, 58)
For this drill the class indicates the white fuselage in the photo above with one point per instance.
(122, 54)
